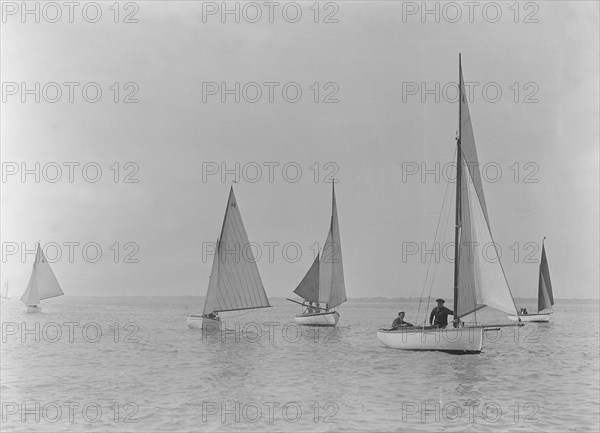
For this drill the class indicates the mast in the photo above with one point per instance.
(457, 220)
(331, 230)
(540, 276)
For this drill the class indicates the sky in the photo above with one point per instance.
(381, 119)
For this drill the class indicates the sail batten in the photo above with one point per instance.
(235, 282)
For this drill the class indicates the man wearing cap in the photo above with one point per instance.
(440, 314)
(399, 321)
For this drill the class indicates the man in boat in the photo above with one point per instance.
(310, 308)
(399, 321)
(440, 314)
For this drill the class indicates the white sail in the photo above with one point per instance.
(481, 279)
(5, 290)
(42, 282)
(332, 289)
(235, 282)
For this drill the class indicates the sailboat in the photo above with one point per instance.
(235, 282)
(545, 297)
(42, 283)
(4, 294)
(477, 282)
(324, 281)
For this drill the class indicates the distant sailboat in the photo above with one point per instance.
(477, 282)
(324, 281)
(235, 282)
(5, 294)
(545, 297)
(42, 283)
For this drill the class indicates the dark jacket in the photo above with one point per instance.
(441, 316)
(397, 323)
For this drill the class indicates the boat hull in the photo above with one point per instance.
(463, 340)
(200, 322)
(539, 317)
(329, 318)
(33, 309)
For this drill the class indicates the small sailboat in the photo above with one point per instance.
(42, 283)
(545, 297)
(5, 294)
(324, 281)
(235, 282)
(477, 282)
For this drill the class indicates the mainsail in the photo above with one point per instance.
(42, 283)
(324, 281)
(479, 276)
(545, 297)
(235, 282)
(5, 290)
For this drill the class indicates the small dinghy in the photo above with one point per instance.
(42, 283)
(324, 281)
(235, 282)
(545, 297)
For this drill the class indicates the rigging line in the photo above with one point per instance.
(445, 231)
(429, 264)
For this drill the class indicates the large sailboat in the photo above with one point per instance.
(42, 283)
(323, 284)
(235, 282)
(478, 282)
(545, 297)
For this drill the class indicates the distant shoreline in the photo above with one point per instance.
(369, 299)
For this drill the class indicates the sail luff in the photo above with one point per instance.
(545, 296)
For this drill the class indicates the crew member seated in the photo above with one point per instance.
(399, 321)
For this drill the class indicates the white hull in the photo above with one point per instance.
(539, 317)
(33, 309)
(204, 323)
(452, 340)
(329, 318)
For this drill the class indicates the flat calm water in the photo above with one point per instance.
(131, 364)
